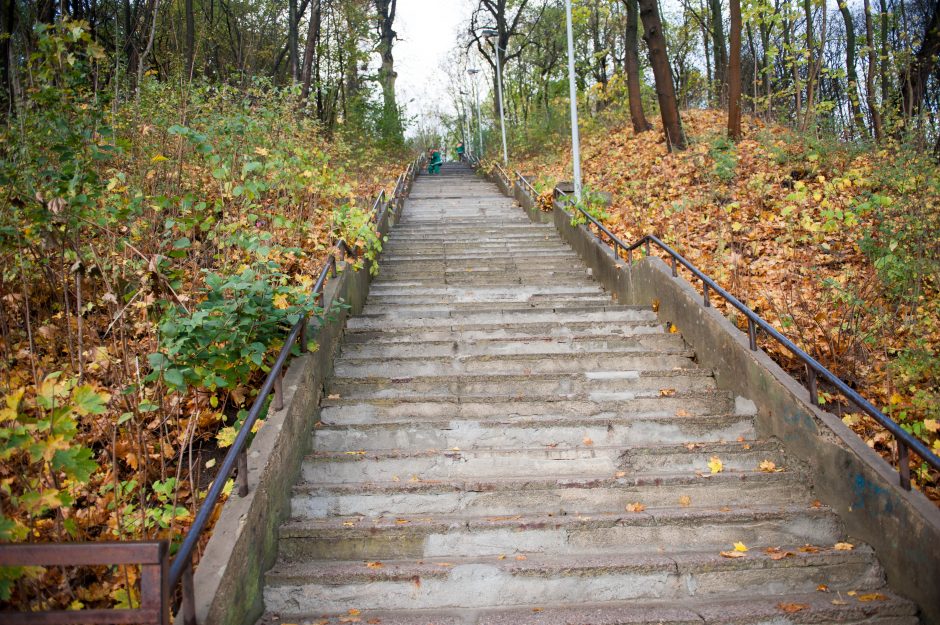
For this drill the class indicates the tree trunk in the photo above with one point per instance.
(659, 60)
(734, 73)
(720, 52)
(632, 63)
(310, 49)
(922, 65)
(7, 67)
(885, 87)
(851, 72)
(876, 123)
(391, 122)
(190, 38)
(292, 22)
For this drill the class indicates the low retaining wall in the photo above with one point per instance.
(229, 579)
(903, 527)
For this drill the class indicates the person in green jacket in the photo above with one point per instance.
(460, 151)
(434, 161)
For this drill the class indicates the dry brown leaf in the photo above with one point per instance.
(732, 554)
(374, 565)
(872, 596)
(685, 501)
(844, 547)
(790, 608)
(587, 441)
(822, 588)
(620, 474)
(635, 507)
(682, 412)
(667, 392)
(521, 557)
(333, 396)
(809, 549)
(768, 466)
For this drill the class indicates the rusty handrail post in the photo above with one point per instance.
(241, 473)
(188, 588)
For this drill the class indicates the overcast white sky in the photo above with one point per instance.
(427, 32)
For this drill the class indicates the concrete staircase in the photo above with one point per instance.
(502, 443)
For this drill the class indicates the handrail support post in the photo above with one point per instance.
(278, 402)
(241, 473)
(904, 465)
(811, 386)
(752, 334)
(706, 302)
(188, 607)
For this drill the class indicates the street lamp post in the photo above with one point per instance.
(473, 72)
(489, 32)
(573, 96)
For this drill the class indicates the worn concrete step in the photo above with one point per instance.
(695, 527)
(560, 580)
(474, 279)
(623, 386)
(614, 313)
(459, 310)
(340, 410)
(577, 330)
(661, 344)
(424, 295)
(591, 494)
(593, 365)
(431, 464)
(814, 608)
(558, 431)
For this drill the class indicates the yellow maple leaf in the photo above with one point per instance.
(635, 507)
(931, 425)
(740, 547)
(767, 466)
(280, 301)
(715, 464)
(844, 547)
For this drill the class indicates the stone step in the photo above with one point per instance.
(459, 310)
(625, 386)
(587, 495)
(613, 313)
(340, 410)
(579, 330)
(559, 580)
(420, 295)
(483, 463)
(593, 365)
(560, 431)
(814, 608)
(697, 528)
(662, 344)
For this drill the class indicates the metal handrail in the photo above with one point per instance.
(180, 570)
(527, 184)
(905, 441)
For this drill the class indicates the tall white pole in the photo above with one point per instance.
(476, 92)
(573, 96)
(502, 119)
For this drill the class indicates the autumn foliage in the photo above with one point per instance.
(835, 245)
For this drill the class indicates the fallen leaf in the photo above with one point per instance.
(852, 593)
(620, 474)
(724, 509)
(844, 547)
(672, 328)
(333, 396)
(790, 608)
(402, 521)
(685, 501)
(521, 557)
(354, 612)
(374, 621)
(537, 609)
(809, 549)
(767, 466)
(682, 412)
(816, 504)
(872, 596)
(822, 588)
(740, 547)
(776, 553)
(587, 441)
(731, 554)
(374, 565)
(667, 392)
(635, 507)
(839, 602)
(501, 557)
(445, 564)
(715, 464)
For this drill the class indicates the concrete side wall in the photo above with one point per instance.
(903, 527)
(230, 576)
(229, 579)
